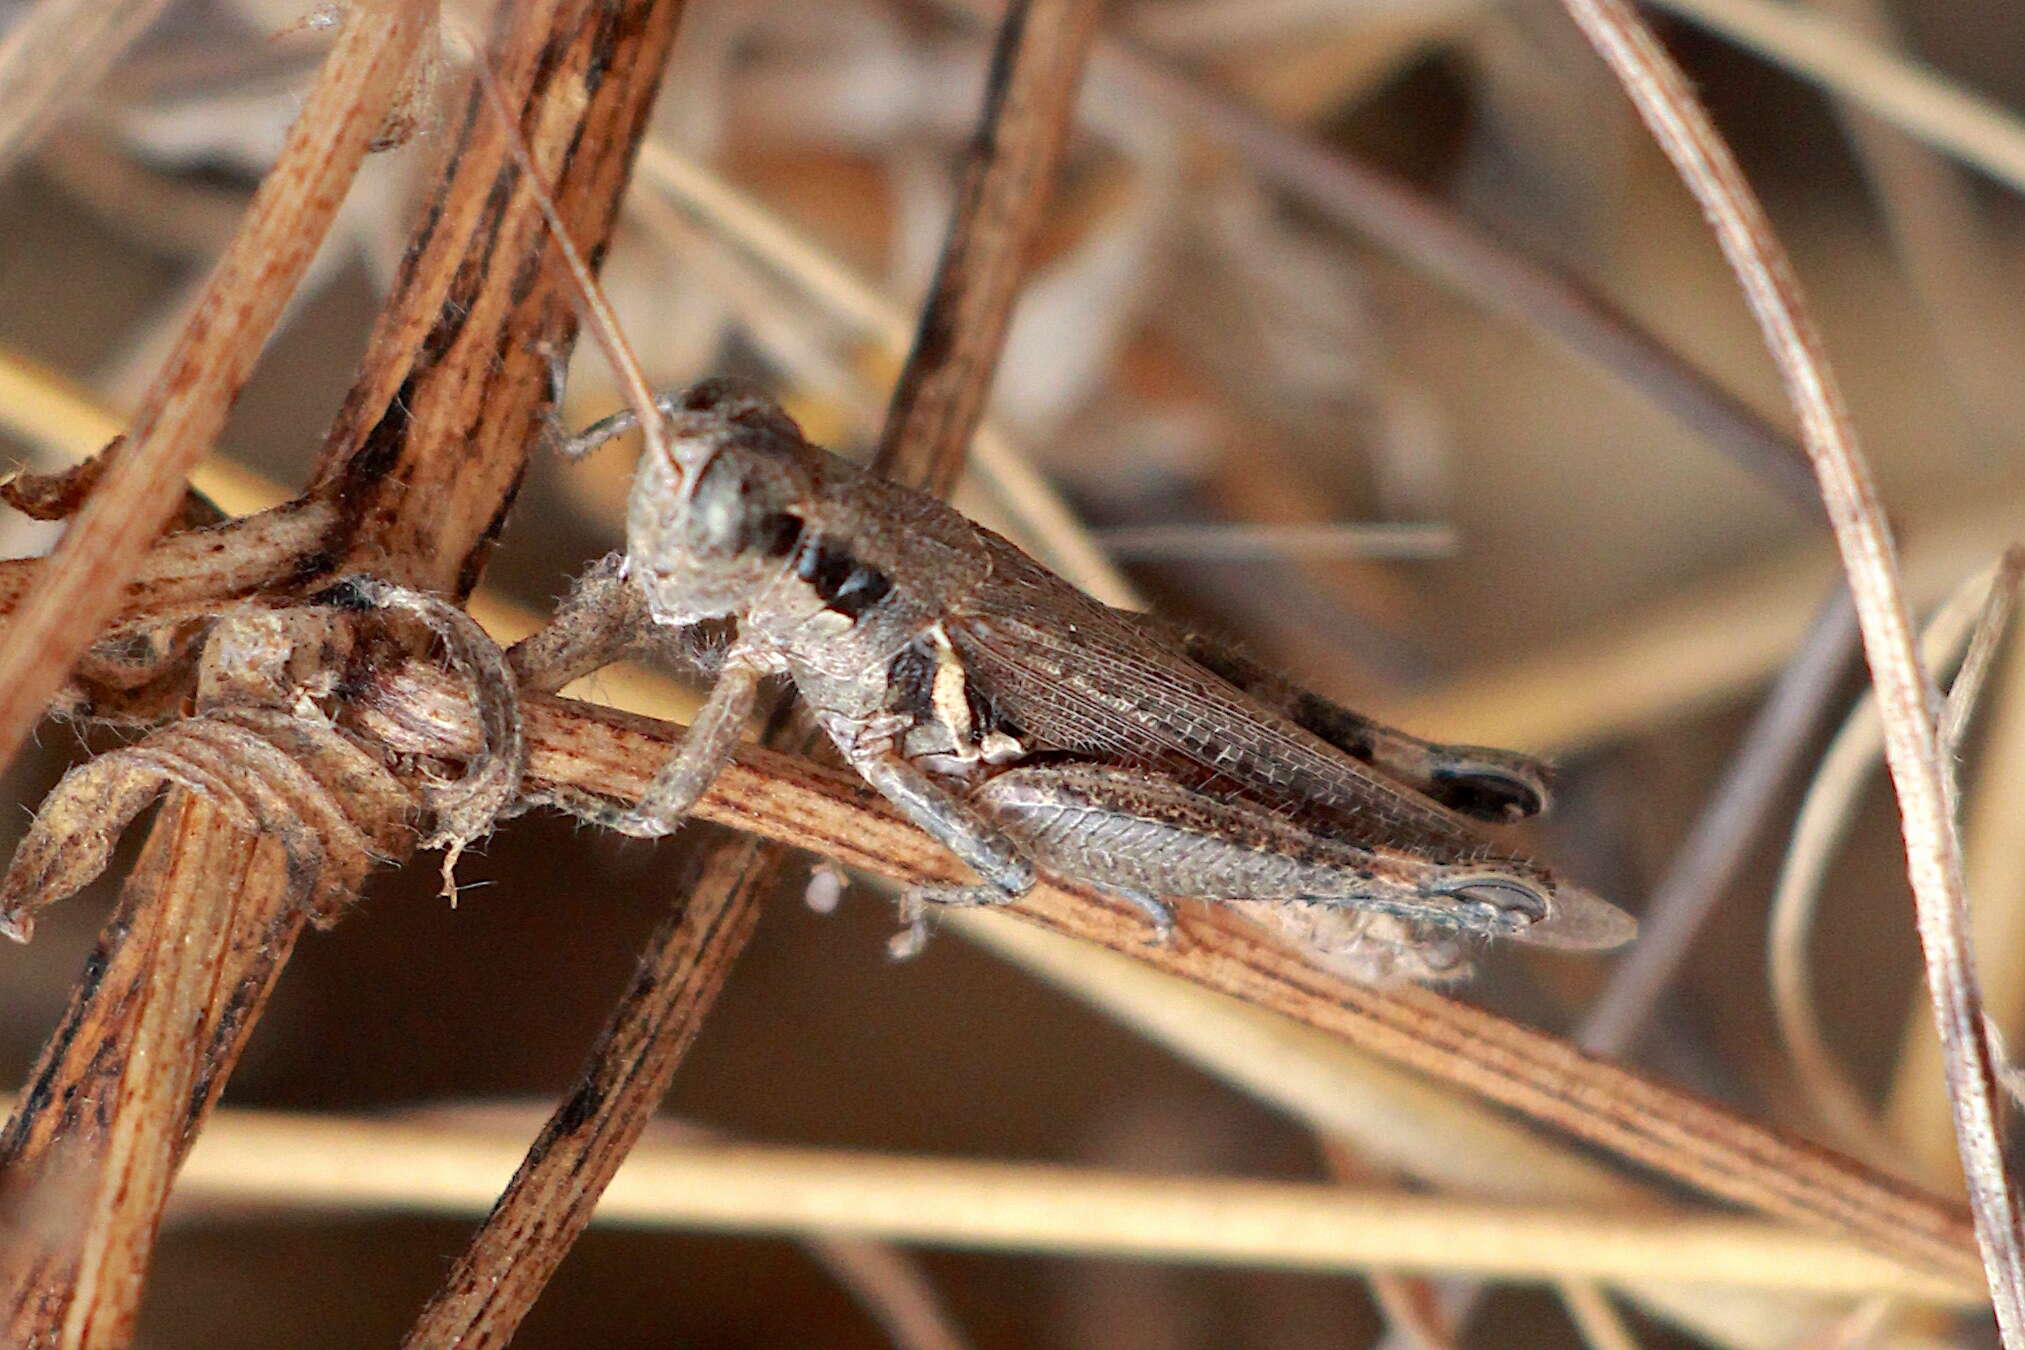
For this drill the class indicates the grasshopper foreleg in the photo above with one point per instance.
(705, 750)
(598, 620)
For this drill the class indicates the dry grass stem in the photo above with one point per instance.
(892, 1289)
(1001, 204)
(835, 815)
(1915, 1108)
(1599, 1324)
(1906, 699)
(367, 1165)
(173, 997)
(1821, 828)
(1251, 543)
(1397, 1119)
(1736, 813)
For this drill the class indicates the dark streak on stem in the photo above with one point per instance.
(1036, 67)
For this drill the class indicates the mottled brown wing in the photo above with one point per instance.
(1478, 781)
(1073, 676)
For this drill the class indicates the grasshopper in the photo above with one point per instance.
(1031, 729)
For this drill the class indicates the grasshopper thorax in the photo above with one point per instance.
(711, 524)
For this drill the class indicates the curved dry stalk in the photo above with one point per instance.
(367, 1165)
(355, 91)
(1915, 1105)
(1823, 824)
(1905, 696)
(1910, 97)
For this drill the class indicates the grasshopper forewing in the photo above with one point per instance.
(1028, 727)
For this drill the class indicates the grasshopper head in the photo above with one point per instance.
(710, 525)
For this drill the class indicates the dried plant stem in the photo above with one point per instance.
(891, 1288)
(939, 399)
(182, 413)
(199, 567)
(1905, 695)
(1595, 1318)
(1731, 821)
(370, 1165)
(1825, 817)
(549, 1201)
(1916, 1109)
(834, 814)
(171, 999)
(43, 408)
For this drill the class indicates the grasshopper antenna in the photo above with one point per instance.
(604, 324)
